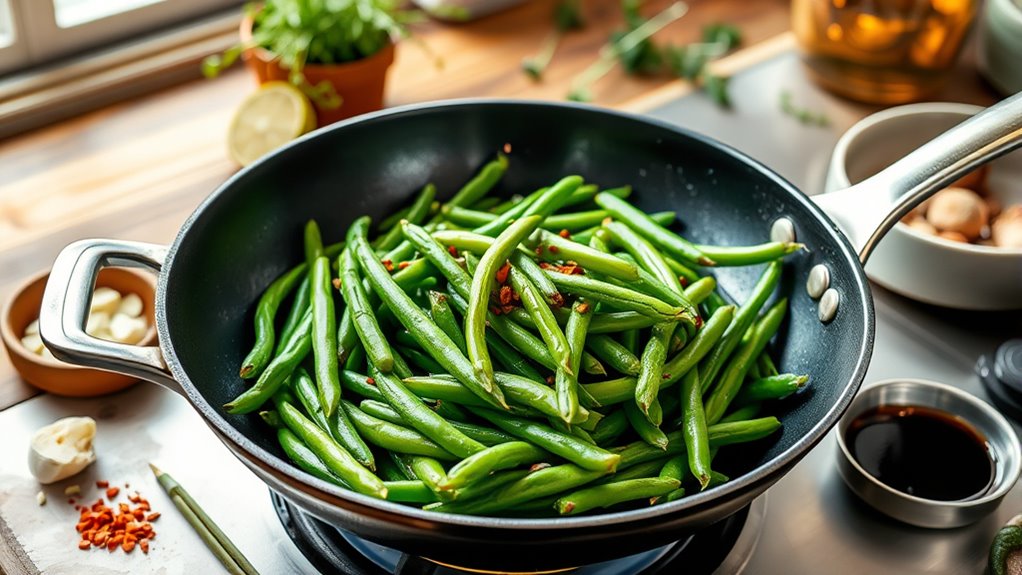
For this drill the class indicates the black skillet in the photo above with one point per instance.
(249, 230)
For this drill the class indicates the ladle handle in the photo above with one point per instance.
(868, 210)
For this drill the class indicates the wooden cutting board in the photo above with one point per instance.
(145, 423)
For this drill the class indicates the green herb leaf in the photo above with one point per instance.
(727, 36)
(568, 15)
(716, 87)
(804, 115)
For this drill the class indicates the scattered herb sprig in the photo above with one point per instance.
(804, 115)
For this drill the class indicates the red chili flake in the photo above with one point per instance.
(547, 266)
(495, 310)
(403, 265)
(583, 307)
(507, 147)
(452, 250)
(515, 297)
(102, 484)
(112, 492)
(699, 322)
(558, 300)
(503, 272)
(684, 281)
(666, 376)
(370, 381)
(507, 308)
(84, 544)
(505, 295)
(336, 283)
(71, 501)
(553, 249)
(537, 466)
(539, 250)
(550, 379)
(153, 516)
(564, 234)
(122, 526)
(389, 265)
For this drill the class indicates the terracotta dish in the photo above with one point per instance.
(55, 376)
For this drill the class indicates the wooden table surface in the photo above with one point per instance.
(135, 170)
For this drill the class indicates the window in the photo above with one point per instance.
(34, 32)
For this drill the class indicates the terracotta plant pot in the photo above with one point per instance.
(360, 83)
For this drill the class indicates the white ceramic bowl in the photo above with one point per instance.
(915, 264)
(1000, 45)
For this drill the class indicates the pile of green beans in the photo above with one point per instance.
(516, 358)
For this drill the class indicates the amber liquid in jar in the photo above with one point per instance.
(881, 51)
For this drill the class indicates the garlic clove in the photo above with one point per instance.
(98, 324)
(32, 328)
(131, 305)
(105, 300)
(127, 329)
(62, 449)
(958, 210)
(33, 343)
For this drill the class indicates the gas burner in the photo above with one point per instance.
(721, 548)
(1001, 374)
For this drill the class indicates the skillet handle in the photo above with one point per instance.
(869, 209)
(65, 309)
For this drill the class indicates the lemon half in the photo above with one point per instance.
(272, 116)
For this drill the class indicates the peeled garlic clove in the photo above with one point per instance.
(127, 329)
(62, 449)
(131, 305)
(920, 224)
(954, 236)
(33, 343)
(958, 210)
(1006, 230)
(105, 300)
(32, 328)
(98, 324)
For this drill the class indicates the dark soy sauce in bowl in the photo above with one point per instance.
(921, 451)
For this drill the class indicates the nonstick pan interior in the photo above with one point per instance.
(249, 231)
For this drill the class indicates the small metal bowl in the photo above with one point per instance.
(1003, 443)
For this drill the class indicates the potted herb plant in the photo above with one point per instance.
(336, 51)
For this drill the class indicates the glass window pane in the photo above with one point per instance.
(6, 24)
(71, 13)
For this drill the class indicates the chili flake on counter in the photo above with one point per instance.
(123, 525)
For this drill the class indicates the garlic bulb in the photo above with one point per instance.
(62, 449)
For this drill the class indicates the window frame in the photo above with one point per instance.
(14, 54)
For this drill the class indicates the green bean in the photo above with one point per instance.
(629, 339)
(699, 290)
(547, 203)
(262, 350)
(611, 494)
(572, 222)
(487, 486)
(701, 345)
(569, 447)
(619, 297)
(275, 374)
(304, 458)
(544, 320)
(299, 307)
(506, 205)
(748, 255)
(496, 458)
(486, 204)
(271, 418)
(479, 296)
(442, 315)
(744, 317)
(719, 435)
(662, 218)
(665, 239)
(642, 425)
(482, 183)
(392, 220)
(548, 481)
(644, 252)
(566, 380)
(430, 473)
(612, 391)
(453, 412)
(772, 387)
(469, 218)
(652, 366)
(610, 428)
(416, 214)
(338, 425)
(742, 413)
(361, 385)
(519, 390)
(592, 365)
(430, 337)
(409, 492)
(324, 342)
(305, 392)
(651, 286)
(368, 330)
(552, 247)
(731, 378)
(333, 456)
(766, 365)
(512, 361)
(587, 192)
(405, 339)
(391, 437)
(522, 262)
(694, 428)
(313, 243)
(485, 435)
(424, 419)
(356, 359)
(421, 360)
(675, 468)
